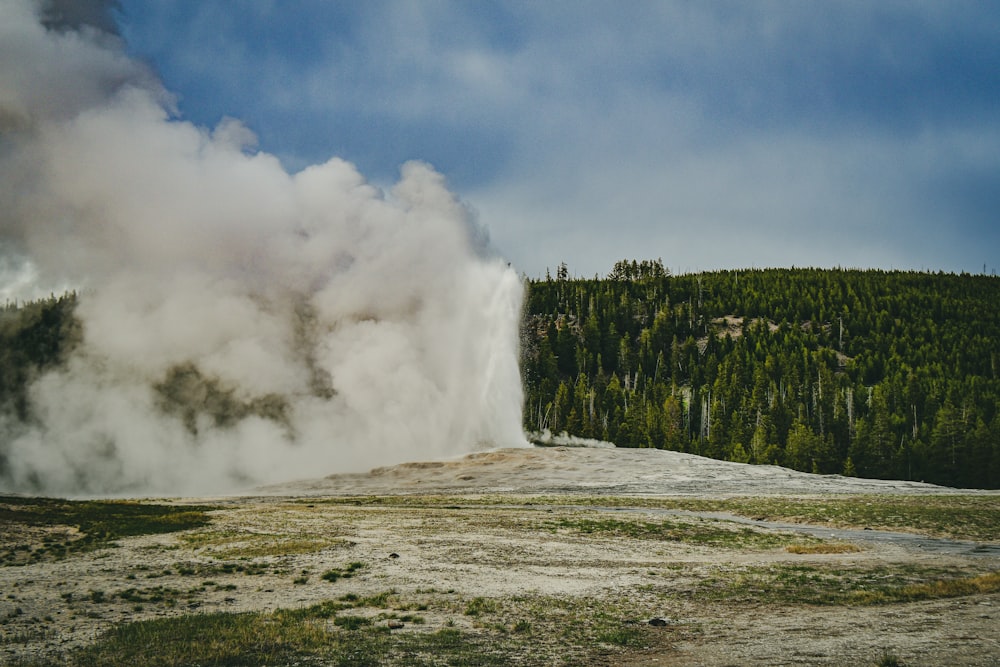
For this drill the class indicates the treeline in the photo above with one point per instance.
(34, 336)
(870, 373)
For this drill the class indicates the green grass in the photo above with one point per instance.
(628, 636)
(525, 630)
(790, 584)
(352, 622)
(889, 659)
(719, 534)
(479, 605)
(231, 544)
(314, 635)
(208, 570)
(29, 635)
(204, 639)
(346, 572)
(99, 522)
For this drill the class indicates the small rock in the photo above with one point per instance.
(394, 555)
(659, 622)
(394, 624)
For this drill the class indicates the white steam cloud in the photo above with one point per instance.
(241, 324)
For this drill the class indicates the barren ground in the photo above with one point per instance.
(556, 556)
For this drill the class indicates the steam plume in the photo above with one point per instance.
(240, 324)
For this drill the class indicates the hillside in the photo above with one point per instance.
(870, 373)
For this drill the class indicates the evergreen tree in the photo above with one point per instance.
(887, 374)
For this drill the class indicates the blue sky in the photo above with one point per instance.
(710, 134)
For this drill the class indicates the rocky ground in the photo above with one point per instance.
(568, 553)
(594, 470)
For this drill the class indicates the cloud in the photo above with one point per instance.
(722, 136)
(78, 15)
(241, 324)
(781, 199)
(44, 79)
(585, 133)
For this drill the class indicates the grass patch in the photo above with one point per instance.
(223, 639)
(954, 516)
(353, 630)
(330, 608)
(98, 522)
(156, 594)
(889, 659)
(347, 572)
(204, 639)
(29, 635)
(797, 584)
(352, 622)
(823, 548)
(479, 605)
(931, 590)
(718, 534)
(959, 517)
(625, 636)
(232, 544)
(972, 517)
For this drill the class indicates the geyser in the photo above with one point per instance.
(241, 324)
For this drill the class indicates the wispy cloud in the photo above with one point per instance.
(568, 122)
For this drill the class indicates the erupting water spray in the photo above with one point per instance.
(241, 325)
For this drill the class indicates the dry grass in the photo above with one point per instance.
(823, 548)
(932, 590)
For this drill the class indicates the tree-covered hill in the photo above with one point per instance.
(879, 374)
(873, 373)
(34, 336)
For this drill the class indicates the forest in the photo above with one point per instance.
(34, 336)
(856, 372)
(888, 374)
